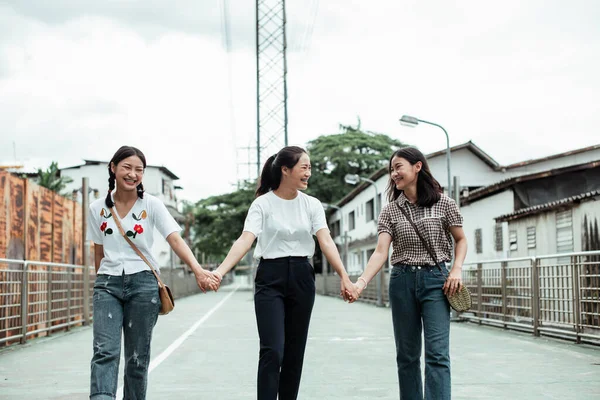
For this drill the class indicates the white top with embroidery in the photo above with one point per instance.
(139, 223)
(285, 228)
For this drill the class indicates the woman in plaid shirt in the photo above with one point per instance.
(417, 287)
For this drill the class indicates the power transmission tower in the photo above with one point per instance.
(271, 79)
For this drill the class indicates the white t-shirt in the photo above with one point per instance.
(145, 215)
(285, 228)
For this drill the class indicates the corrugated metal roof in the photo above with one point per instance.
(524, 212)
(508, 182)
(553, 156)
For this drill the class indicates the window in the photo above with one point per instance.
(335, 229)
(512, 241)
(370, 210)
(351, 221)
(478, 241)
(166, 188)
(531, 237)
(564, 231)
(498, 237)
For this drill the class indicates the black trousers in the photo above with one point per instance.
(283, 301)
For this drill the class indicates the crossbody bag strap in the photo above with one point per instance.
(133, 246)
(429, 250)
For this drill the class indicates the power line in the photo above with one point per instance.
(226, 39)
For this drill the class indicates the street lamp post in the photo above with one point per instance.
(412, 122)
(344, 243)
(354, 179)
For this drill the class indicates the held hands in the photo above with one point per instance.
(348, 290)
(208, 280)
(453, 282)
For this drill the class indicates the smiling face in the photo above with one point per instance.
(128, 173)
(298, 176)
(403, 173)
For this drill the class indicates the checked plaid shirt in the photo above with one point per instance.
(434, 224)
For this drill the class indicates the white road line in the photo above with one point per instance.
(169, 350)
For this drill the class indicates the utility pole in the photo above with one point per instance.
(271, 79)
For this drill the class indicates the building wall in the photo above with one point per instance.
(545, 235)
(576, 159)
(480, 215)
(586, 213)
(470, 169)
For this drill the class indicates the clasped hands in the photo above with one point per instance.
(349, 291)
(208, 280)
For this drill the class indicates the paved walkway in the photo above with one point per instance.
(208, 349)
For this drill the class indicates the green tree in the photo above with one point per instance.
(51, 179)
(219, 220)
(353, 151)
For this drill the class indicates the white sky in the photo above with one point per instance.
(79, 78)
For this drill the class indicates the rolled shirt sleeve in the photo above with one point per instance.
(319, 221)
(163, 220)
(384, 223)
(93, 231)
(254, 219)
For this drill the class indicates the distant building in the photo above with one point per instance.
(489, 194)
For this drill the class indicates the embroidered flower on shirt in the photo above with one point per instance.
(136, 229)
(106, 214)
(143, 215)
(106, 231)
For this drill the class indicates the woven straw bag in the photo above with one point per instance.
(461, 299)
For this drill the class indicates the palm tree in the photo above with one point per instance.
(51, 179)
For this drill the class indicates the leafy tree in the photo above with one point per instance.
(219, 220)
(51, 179)
(351, 152)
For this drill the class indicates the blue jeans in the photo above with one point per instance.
(127, 303)
(419, 304)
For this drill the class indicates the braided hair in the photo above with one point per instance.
(121, 154)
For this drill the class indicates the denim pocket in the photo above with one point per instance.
(396, 272)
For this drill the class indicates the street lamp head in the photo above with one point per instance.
(327, 206)
(407, 120)
(352, 179)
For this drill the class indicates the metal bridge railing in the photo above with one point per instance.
(38, 298)
(554, 295)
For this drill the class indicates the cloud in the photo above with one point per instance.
(81, 78)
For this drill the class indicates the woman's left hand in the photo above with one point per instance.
(453, 282)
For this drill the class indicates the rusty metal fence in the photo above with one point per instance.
(554, 295)
(37, 298)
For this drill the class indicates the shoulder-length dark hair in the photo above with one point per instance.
(429, 189)
(270, 178)
(121, 154)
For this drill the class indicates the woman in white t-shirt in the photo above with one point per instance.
(126, 291)
(284, 220)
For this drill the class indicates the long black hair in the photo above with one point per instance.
(270, 178)
(428, 188)
(120, 155)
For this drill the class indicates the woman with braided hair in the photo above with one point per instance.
(126, 295)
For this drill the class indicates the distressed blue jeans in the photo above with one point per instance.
(128, 304)
(420, 306)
